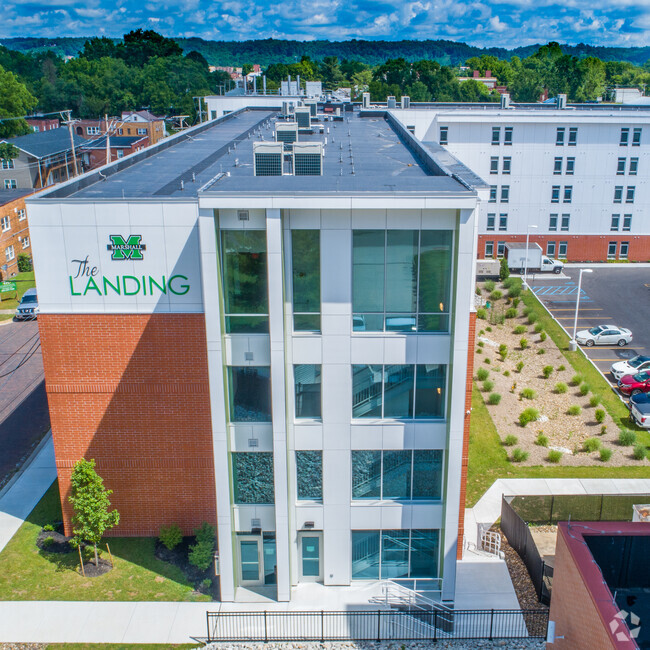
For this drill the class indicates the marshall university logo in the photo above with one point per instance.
(126, 249)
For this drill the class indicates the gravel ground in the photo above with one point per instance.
(519, 644)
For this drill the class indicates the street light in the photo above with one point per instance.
(526, 266)
(573, 346)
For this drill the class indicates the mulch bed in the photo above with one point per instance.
(92, 571)
(59, 544)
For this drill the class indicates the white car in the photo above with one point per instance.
(630, 367)
(604, 335)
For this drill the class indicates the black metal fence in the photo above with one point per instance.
(519, 537)
(376, 625)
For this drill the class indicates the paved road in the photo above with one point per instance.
(24, 416)
(618, 296)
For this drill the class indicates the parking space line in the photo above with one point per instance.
(581, 309)
(593, 316)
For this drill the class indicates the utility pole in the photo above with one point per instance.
(68, 121)
(200, 109)
(108, 140)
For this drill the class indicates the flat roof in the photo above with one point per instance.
(371, 154)
(7, 196)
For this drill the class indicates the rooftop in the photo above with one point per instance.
(116, 142)
(8, 196)
(364, 154)
(46, 143)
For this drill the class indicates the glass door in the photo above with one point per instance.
(311, 558)
(250, 561)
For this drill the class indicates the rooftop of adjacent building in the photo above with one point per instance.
(46, 143)
(9, 196)
(116, 142)
(364, 155)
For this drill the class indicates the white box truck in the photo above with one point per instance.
(515, 253)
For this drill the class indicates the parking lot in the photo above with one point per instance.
(610, 295)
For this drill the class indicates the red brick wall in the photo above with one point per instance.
(572, 607)
(131, 391)
(465, 456)
(580, 248)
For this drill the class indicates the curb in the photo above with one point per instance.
(30, 459)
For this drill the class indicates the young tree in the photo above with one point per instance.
(89, 499)
(504, 271)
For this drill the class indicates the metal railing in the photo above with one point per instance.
(375, 625)
(425, 593)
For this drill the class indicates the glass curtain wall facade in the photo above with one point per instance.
(305, 257)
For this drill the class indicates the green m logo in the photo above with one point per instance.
(126, 249)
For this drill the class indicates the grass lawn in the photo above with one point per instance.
(28, 573)
(23, 282)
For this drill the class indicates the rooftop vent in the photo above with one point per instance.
(366, 100)
(406, 101)
(267, 158)
(392, 103)
(505, 100)
(561, 101)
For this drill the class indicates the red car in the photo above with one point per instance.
(635, 384)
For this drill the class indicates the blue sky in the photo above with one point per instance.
(506, 23)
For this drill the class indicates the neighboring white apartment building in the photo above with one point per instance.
(287, 330)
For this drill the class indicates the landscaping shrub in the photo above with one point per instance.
(48, 527)
(528, 393)
(206, 584)
(599, 415)
(626, 438)
(47, 542)
(487, 360)
(488, 329)
(506, 373)
(482, 374)
(523, 343)
(584, 389)
(488, 386)
(519, 455)
(554, 456)
(520, 329)
(561, 387)
(202, 553)
(528, 310)
(481, 313)
(24, 263)
(541, 351)
(542, 336)
(504, 271)
(576, 380)
(541, 440)
(481, 332)
(528, 415)
(603, 430)
(510, 441)
(496, 295)
(594, 401)
(574, 409)
(547, 371)
(477, 291)
(532, 317)
(170, 536)
(494, 399)
(514, 292)
(539, 328)
(639, 451)
(591, 444)
(205, 534)
(481, 344)
(511, 313)
(515, 302)
(490, 285)
(605, 454)
(520, 366)
(561, 368)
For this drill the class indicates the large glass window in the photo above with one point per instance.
(307, 380)
(245, 280)
(309, 474)
(397, 474)
(249, 390)
(253, 477)
(305, 252)
(390, 554)
(396, 391)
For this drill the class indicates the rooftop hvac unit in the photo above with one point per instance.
(313, 106)
(308, 159)
(406, 101)
(392, 103)
(561, 101)
(286, 132)
(313, 88)
(267, 158)
(505, 100)
(303, 117)
(366, 100)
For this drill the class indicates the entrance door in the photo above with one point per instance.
(250, 561)
(311, 557)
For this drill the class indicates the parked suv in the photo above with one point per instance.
(28, 307)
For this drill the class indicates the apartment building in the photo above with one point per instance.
(274, 337)
(14, 230)
(575, 177)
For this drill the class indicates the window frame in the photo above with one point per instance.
(555, 193)
(627, 223)
(5, 223)
(615, 223)
(491, 222)
(570, 166)
(505, 194)
(565, 223)
(550, 249)
(618, 194)
(494, 164)
(636, 136)
(503, 222)
(625, 137)
(496, 131)
(443, 130)
(563, 245)
(557, 165)
(552, 222)
(508, 132)
(559, 136)
(567, 195)
(506, 165)
(634, 166)
(573, 136)
(620, 166)
(630, 193)
(489, 245)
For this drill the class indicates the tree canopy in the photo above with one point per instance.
(15, 101)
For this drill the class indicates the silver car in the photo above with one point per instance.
(28, 307)
(604, 335)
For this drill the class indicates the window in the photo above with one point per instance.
(401, 280)
(620, 167)
(503, 222)
(562, 250)
(6, 224)
(7, 163)
(505, 193)
(391, 554)
(493, 193)
(629, 195)
(491, 219)
(496, 135)
(404, 474)
(249, 391)
(25, 242)
(566, 218)
(120, 131)
(398, 391)
(550, 249)
(9, 253)
(245, 280)
(252, 474)
(507, 136)
(494, 165)
(506, 164)
(618, 194)
(309, 475)
(616, 218)
(627, 222)
(10, 184)
(552, 222)
(559, 137)
(305, 263)
(636, 137)
(634, 166)
(555, 194)
(611, 250)
(625, 247)
(557, 166)
(307, 380)
(570, 166)
(501, 249)
(444, 135)
(568, 193)
(489, 249)
(22, 215)
(93, 130)
(120, 153)
(142, 131)
(573, 136)
(625, 137)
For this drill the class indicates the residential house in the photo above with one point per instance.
(40, 124)
(94, 153)
(14, 230)
(142, 123)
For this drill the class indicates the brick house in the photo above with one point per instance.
(94, 153)
(14, 230)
